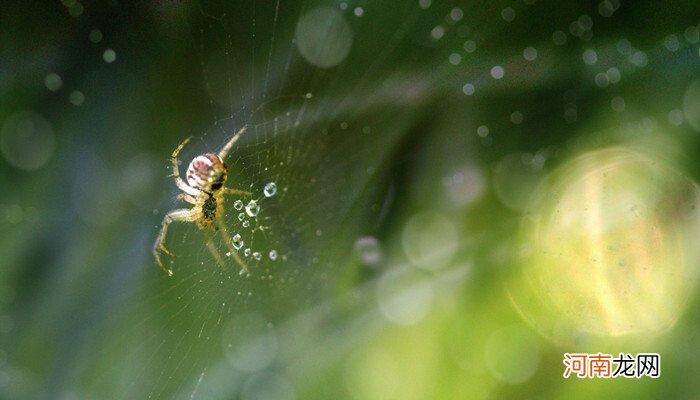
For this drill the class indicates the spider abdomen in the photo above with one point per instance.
(206, 172)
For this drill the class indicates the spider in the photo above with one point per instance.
(204, 190)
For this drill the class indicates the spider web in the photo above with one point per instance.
(319, 136)
(334, 132)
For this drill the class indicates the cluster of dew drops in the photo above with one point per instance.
(251, 210)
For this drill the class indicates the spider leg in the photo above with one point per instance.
(229, 244)
(176, 172)
(236, 192)
(183, 215)
(212, 249)
(227, 147)
(186, 197)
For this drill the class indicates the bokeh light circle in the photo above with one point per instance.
(608, 248)
(249, 343)
(404, 296)
(512, 354)
(324, 37)
(27, 140)
(430, 240)
(513, 180)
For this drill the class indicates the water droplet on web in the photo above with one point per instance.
(273, 255)
(237, 241)
(257, 256)
(241, 216)
(270, 189)
(246, 224)
(246, 252)
(252, 208)
(228, 254)
(238, 205)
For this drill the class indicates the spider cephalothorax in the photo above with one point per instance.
(204, 190)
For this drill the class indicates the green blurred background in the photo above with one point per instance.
(465, 192)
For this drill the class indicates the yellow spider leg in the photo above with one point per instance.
(227, 147)
(236, 192)
(229, 244)
(212, 249)
(176, 172)
(186, 197)
(183, 215)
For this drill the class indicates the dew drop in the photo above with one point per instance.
(273, 255)
(238, 205)
(237, 242)
(241, 216)
(257, 255)
(270, 189)
(246, 252)
(252, 208)
(246, 224)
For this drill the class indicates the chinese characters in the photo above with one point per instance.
(601, 365)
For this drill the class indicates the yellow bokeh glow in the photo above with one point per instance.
(608, 248)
